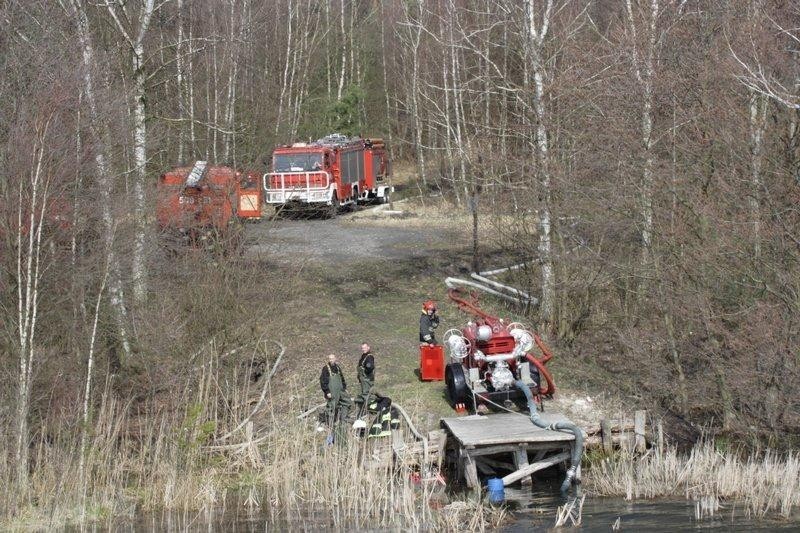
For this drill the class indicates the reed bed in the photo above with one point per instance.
(170, 461)
(765, 483)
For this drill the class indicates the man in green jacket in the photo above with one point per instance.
(366, 375)
(334, 387)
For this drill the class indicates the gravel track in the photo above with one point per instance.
(338, 240)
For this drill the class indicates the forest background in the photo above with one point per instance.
(645, 153)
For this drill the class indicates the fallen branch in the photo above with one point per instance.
(261, 398)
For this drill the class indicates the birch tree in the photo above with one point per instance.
(643, 69)
(412, 26)
(538, 25)
(133, 34)
(33, 197)
(103, 178)
(758, 123)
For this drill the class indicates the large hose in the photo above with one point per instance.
(577, 451)
(548, 388)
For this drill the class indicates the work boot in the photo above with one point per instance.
(386, 424)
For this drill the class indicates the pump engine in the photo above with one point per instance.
(489, 354)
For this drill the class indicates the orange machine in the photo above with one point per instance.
(249, 196)
(198, 202)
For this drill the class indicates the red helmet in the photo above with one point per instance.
(429, 305)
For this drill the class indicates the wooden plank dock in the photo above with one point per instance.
(477, 437)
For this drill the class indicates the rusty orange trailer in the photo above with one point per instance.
(197, 204)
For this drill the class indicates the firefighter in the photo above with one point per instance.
(382, 425)
(334, 387)
(428, 322)
(366, 375)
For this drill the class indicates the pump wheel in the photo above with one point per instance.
(456, 383)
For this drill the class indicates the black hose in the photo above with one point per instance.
(577, 451)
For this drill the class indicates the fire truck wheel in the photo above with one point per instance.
(333, 209)
(456, 383)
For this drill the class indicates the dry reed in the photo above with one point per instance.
(766, 483)
(166, 462)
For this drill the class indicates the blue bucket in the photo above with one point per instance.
(496, 490)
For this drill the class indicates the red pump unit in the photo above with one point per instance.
(489, 355)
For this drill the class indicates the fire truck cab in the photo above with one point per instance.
(332, 171)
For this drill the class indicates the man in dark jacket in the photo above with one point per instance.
(428, 322)
(366, 375)
(334, 387)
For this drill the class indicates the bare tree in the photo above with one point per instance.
(33, 198)
(643, 69)
(105, 183)
(538, 25)
(133, 36)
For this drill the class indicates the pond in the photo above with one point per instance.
(535, 510)
(531, 509)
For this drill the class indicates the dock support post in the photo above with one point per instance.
(520, 462)
(639, 420)
(605, 436)
(471, 472)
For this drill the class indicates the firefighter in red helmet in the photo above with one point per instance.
(428, 322)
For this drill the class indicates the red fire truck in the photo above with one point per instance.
(332, 171)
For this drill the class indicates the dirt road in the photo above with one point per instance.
(340, 241)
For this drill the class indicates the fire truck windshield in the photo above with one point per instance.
(297, 162)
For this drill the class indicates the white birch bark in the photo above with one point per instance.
(233, 71)
(30, 215)
(328, 70)
(87, 392)
(343, 63)
(214, 122)
(758, 123)
(286, 64)
(415, 36)
(457, 98)
(190, 89)
(537, 32)
(105, 184)
(179, 78)
(136, 44)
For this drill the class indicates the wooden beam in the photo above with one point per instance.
(605, 435)
(521, 463)
(511, 447)
(494, 463)
(471, 473)
(535, 467)
(639, 421)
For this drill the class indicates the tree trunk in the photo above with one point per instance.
(758, 124)
(139, 268)
(536, 36)
(105, 184)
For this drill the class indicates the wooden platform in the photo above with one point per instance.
(476, 437)
(477, 430)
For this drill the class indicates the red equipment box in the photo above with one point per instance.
(431, 362)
